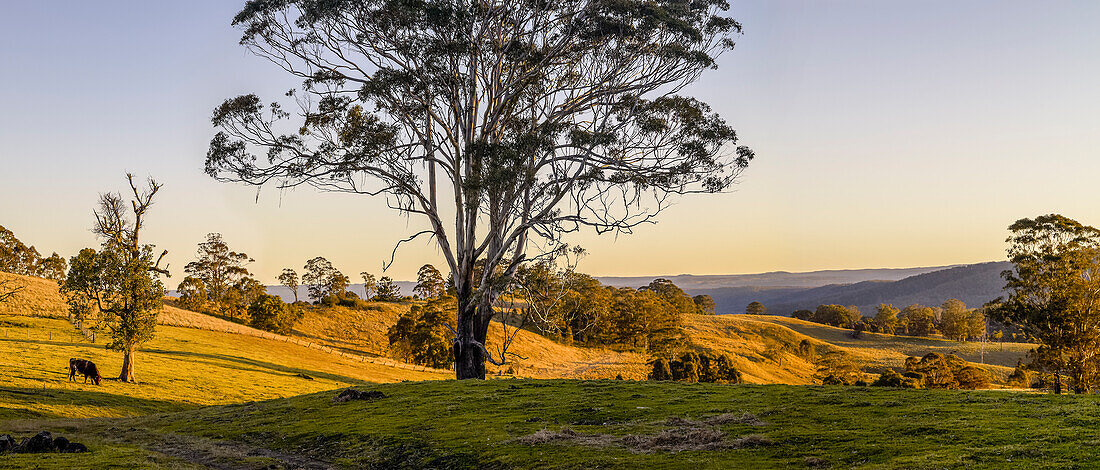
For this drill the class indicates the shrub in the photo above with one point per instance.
(971, 377)
(938, 371)
(695, 367)
(1020, 376)
(269, 313)
(422, 337)
(660, 370)
(891, 378)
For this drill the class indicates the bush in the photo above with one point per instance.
(971, 377)
(695, 367)
(269, 313)
(891, 378)
(938, 371)
(421, 336)
(1020, 376)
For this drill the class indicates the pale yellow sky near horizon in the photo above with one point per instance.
(887, 135)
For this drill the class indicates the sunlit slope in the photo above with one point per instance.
(180, 369)
(531, 355)
(39, 297)
(879, 350)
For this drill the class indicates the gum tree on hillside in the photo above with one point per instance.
(504, 124)
(289, 279)
(122, 279)
(1055, 294)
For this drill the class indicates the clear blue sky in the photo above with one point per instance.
(888, 133)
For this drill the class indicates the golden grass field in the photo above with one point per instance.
(215, 361)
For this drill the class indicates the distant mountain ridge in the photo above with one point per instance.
(776, 278)
(973, 284)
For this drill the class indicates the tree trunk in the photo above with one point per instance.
(127, 366)
(469, 357)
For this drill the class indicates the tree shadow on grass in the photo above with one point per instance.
(258, 365)
(16, 397)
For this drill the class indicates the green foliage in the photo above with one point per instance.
(886, 319)
(322, 279)
(269, 313)
(936, 370)
(429, 283)
(1055, 294)
(218, 271)
(837, 368)
(17, 258)
(289, 279)
(836, 315)
(695, 367)
(669, 292)
(806, 315)
(891, 378)
(1020, 376)
(387, 291)
(370, 284)
(756, 308)
(422, 336)
(705, 304)
(918, 320)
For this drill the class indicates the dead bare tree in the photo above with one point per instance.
(505, 124)
(8, 289)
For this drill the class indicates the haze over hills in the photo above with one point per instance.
(783, 292)
(973, 284)
(775, 278)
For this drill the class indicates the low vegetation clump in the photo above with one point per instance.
(695, 367)
(891, 378)
(936, 370)
(270, 313)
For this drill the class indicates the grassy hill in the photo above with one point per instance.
(214, 394)
(501, 424)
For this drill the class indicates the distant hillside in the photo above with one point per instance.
(775, 279)
(973, 284)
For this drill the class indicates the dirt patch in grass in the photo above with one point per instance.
(686, 435)
(213, 453)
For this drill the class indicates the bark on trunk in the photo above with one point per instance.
(127, 366)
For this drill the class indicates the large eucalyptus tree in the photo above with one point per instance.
(503, 123)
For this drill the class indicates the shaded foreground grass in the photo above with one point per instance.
(602, 424)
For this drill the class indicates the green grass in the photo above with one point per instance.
(180, 369)
(449, 424)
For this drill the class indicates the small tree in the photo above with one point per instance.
(429, 283)
(705, 304)
(122, 279)
(954, 320)
(370, 285)
(919, 320)
(387, 290)
(219, 269)
(422, 336)
(756, 308)
(886, 318)
(289, 279)
(322, 279)
(269, 313)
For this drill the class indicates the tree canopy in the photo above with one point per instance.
(531, 119)
(1055, 293)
